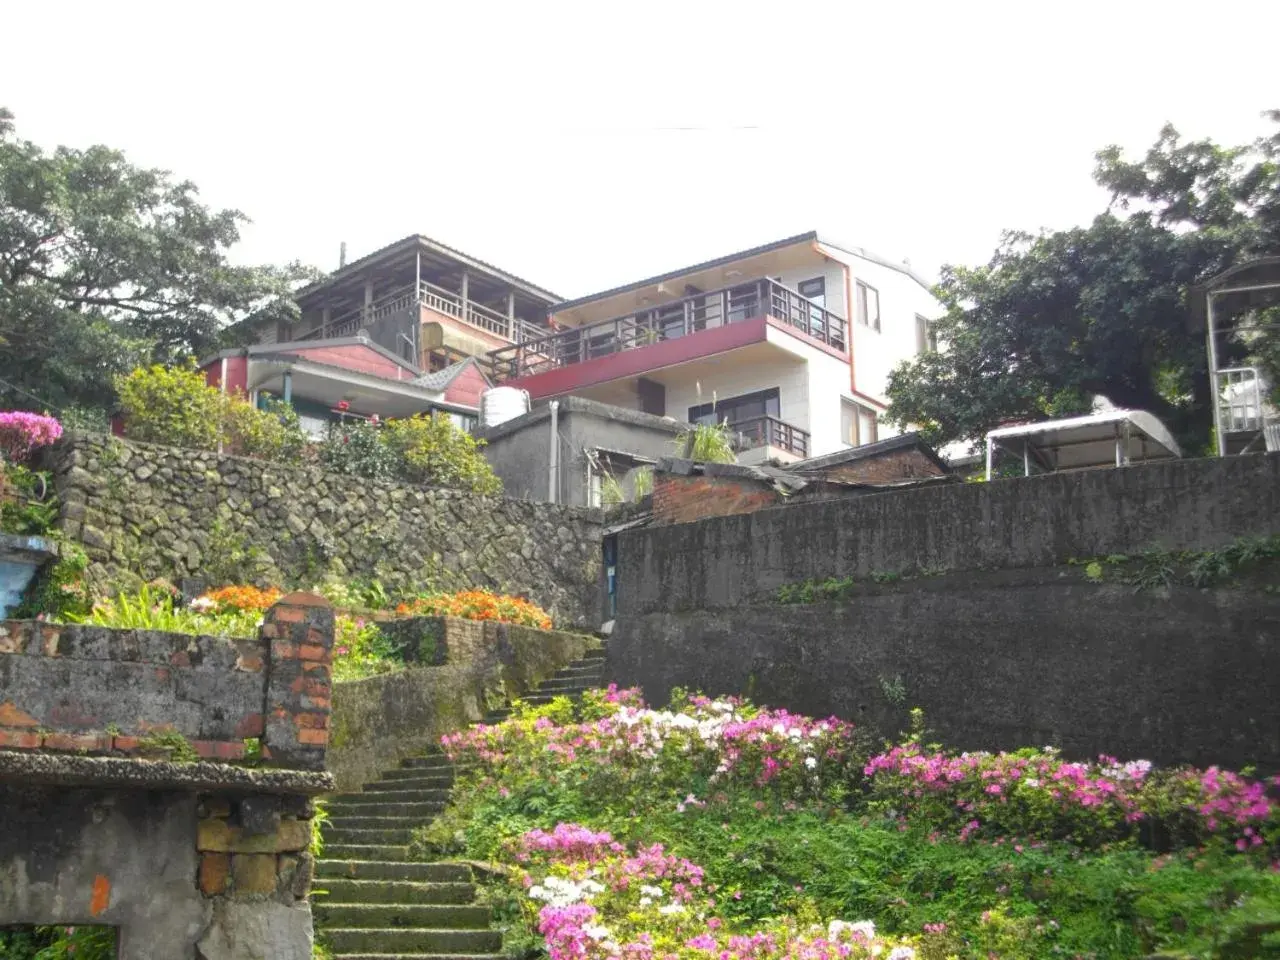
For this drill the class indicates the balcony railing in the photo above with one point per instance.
(1241, 400)
(434, 298)
(772, 432)
(670, 321)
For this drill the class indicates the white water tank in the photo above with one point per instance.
(502, 404)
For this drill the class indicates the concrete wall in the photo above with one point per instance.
(159, 866)
(1029, 522)
(997, 660)
(520, 450)
(88, 689)
(151, 511)
(999, 638)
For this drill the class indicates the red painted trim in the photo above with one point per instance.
(848, 332)
(805, 338)
(870, 399)
(629, 363)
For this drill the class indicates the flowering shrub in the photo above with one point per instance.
(361, 649)
(595, 900)
(477, 605)
(22, 433)
(717, 829)
(230, 598)
(1036, 793)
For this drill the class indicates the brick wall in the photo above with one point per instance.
(681, 499)
(906, 464)
(97, 690)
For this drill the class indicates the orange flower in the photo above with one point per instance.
(479, 605)
(243, 597)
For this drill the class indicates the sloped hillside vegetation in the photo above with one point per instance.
(718, 830)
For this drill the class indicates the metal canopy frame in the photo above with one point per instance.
(1044, 442)
(1249, 286)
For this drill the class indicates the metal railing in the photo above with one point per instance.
(767, 431)
(1240, 400)
(670, 321)
(434, 298)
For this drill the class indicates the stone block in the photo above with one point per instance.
(260, 815)
(257, 930)
(253, 873)
(211, 808)
(219, 836)
(214, 871)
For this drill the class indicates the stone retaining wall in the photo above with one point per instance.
(152, 511)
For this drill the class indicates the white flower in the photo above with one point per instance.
(202, 604)
(655, 892)
(646, 901)
(810, 762)
(595, 931)
(671, 909)
(863, 928)
(902, 953)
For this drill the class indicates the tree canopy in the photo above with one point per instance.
(1060, 316)
(105, 266)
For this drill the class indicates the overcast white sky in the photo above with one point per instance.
(539, 135)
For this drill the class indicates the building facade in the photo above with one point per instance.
(791, 343)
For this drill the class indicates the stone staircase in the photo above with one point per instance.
(371, 902)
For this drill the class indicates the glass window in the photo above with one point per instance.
(737, 409)
(857, 424)
(868, 305)
(926, 336)
(815, 290)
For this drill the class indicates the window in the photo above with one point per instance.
(926, 336)
(857, 424)
(868, 304)
(815, 290)
(737, 409)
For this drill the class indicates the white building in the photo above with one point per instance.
(791, 342)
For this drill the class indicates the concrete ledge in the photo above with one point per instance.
(75, 771)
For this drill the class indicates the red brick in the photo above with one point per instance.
(316, 703)
(20, 739)
(214, 870)
(283, 614)
(316, 721)
(283, 650)
(302, 600)
(318, 738)
(126, 744)
(180, 658)
(249, 663)
(219, 749)
(11, 716)
(312, 667)
(271, 631)
(317, 636)
(77, 741)
(312, 651)
(252, 725)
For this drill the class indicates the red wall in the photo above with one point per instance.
(467, 387)
(237, 374)
(355, 357)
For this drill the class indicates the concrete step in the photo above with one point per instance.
(432, 916)
(441, 777)
(367, 851)
(393, 795)
(435, 784)
(395, 891)
(358, 822)
(365, 940)
(427, 765)
(381, 806)
(345, 836)
(355, 869)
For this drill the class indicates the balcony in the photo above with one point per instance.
(432, 297)
(671, 321)
(770, 433)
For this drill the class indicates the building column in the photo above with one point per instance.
(465, 293)
(511, 315)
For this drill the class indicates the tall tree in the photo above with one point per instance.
(1058, 317)
(104, 265)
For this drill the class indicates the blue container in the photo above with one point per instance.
(21, 557)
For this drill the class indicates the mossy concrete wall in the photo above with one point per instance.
(379, 721)
(152, 511)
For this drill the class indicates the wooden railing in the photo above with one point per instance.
(669, 321)
(435, 298)
(772, 432)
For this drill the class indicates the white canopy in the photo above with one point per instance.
(1111, 438)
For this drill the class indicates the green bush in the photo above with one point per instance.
(706, 443)
(28, 505)
(432, 450)
(356, 447)
(172, 405)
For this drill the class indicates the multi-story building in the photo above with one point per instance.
(425, 302)
(791, 343)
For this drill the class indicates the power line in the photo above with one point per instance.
(26, 393)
